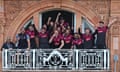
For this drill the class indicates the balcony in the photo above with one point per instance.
(52, 60)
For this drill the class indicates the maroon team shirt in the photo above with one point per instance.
(65, 24)
(67, 39)
(43, 35)
(101, 35)
(87, 37)
(77, 41)
(57, 39)
(30, 33)
(102, 29)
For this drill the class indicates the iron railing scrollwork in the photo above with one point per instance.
(47, 59)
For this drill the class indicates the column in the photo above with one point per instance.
(78, 20)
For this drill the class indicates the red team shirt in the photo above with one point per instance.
(30, 33)
(102, 29)
(57, 40)
(43, 35)
(77, 41)
(67, 39)
(87, 37)
(101, 35)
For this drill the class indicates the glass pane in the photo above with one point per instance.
(87, 24)
(28, 23)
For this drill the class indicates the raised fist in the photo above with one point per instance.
(59, 14)
(54, 35)
(49, 18)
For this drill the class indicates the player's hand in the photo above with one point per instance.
(10, 48)
(28, 49)
(49, 18)
(59, 14)
(58, 48)
(54, 35)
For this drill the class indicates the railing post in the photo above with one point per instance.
(105, 59)
(33, 58)
(108, 58)
(3, 62)
(6, 54)
(77, 67)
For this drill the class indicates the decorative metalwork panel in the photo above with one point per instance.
(17, 59)
(54, 59)
(93, 59)
(45, 59)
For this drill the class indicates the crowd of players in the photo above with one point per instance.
(59, 34)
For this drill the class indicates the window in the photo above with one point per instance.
(66, 15)
(28, 23)
(87, 24)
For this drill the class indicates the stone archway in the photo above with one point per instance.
(68, 5)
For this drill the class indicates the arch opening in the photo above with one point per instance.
(25, 15)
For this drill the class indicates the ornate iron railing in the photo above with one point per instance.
(46, 59)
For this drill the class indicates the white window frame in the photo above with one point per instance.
(90, 24)
(40, 20)
(74, 23)
(31, 20)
